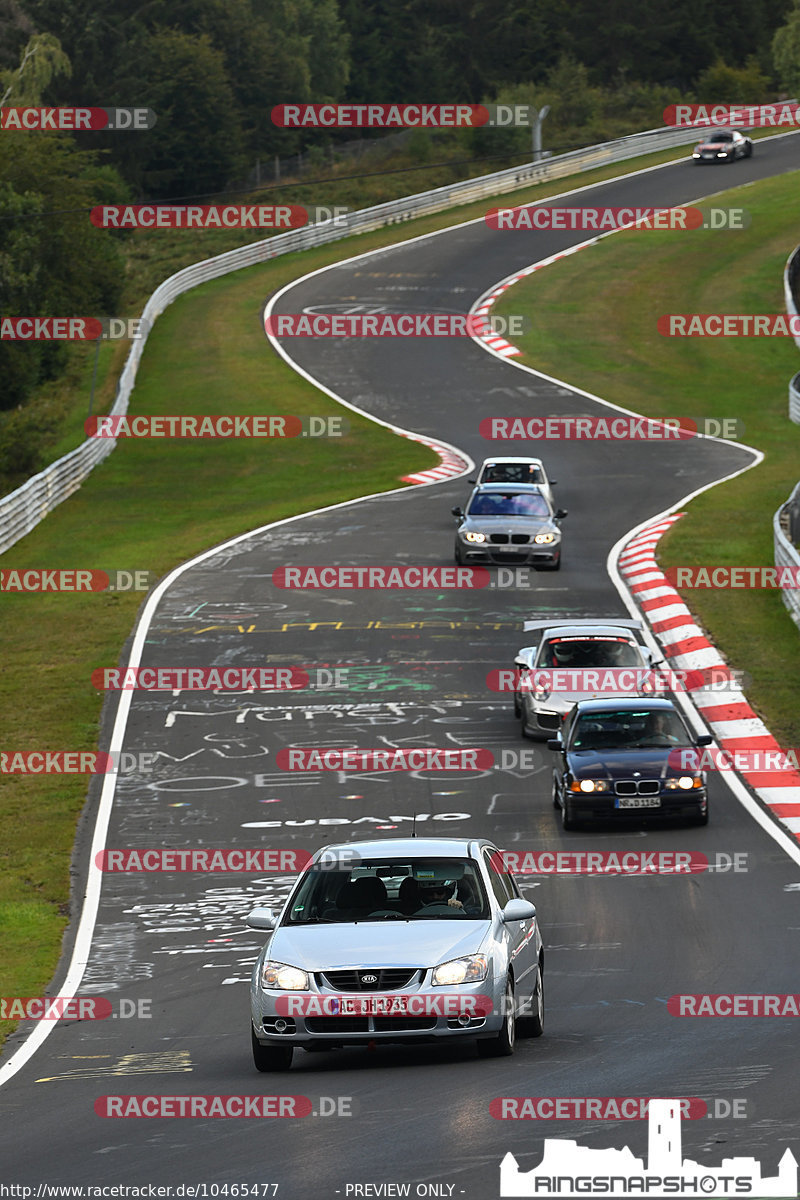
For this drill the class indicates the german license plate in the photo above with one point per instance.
(638, 802)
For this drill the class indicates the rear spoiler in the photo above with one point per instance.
(626, 623)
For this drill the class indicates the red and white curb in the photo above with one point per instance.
(499, 345)
(452, 463)
(730, 718)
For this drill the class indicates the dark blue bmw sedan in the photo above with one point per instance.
(617, 760)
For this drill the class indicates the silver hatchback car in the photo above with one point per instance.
(399, 940)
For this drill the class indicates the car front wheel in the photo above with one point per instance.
(270, 1058)
(503, 1044)
(568, 821)
(532, 1025)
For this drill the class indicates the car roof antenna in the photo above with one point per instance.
(414, 824)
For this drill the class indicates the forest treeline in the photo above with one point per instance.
(212, 70)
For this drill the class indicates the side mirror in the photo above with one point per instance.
(457, 512)
(553, 482)
(518, 910)
(555, 744)
(472, 481)
(261, 918)
(705, 739)
(560, 513)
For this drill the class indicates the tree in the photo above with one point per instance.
(786, 51)
(42, 59)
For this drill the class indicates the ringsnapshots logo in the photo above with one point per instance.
(402, 116)
(76, 120)
(569, 1170)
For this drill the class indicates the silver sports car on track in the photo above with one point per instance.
(509, 524)
(577, 660)
(724, 145)
(402, 940)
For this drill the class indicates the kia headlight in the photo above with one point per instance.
(284, 978)
(471, 969)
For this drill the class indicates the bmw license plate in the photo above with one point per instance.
(638, 802)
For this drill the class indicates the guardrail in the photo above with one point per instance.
(786, 525)
(791, 284)
(794, 398)
(23, 509)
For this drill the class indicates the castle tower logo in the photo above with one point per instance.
(568, 1169)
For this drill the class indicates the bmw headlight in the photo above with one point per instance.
(475, 537)
(543, 539)
(283, 977)
(470, 969)
(590, 785)
(684, 783)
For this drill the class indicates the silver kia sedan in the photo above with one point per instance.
(404, 940)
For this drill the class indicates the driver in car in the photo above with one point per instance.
(437, 892)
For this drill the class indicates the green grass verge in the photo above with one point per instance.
(592, 320)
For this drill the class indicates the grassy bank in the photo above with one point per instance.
(595, 327)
